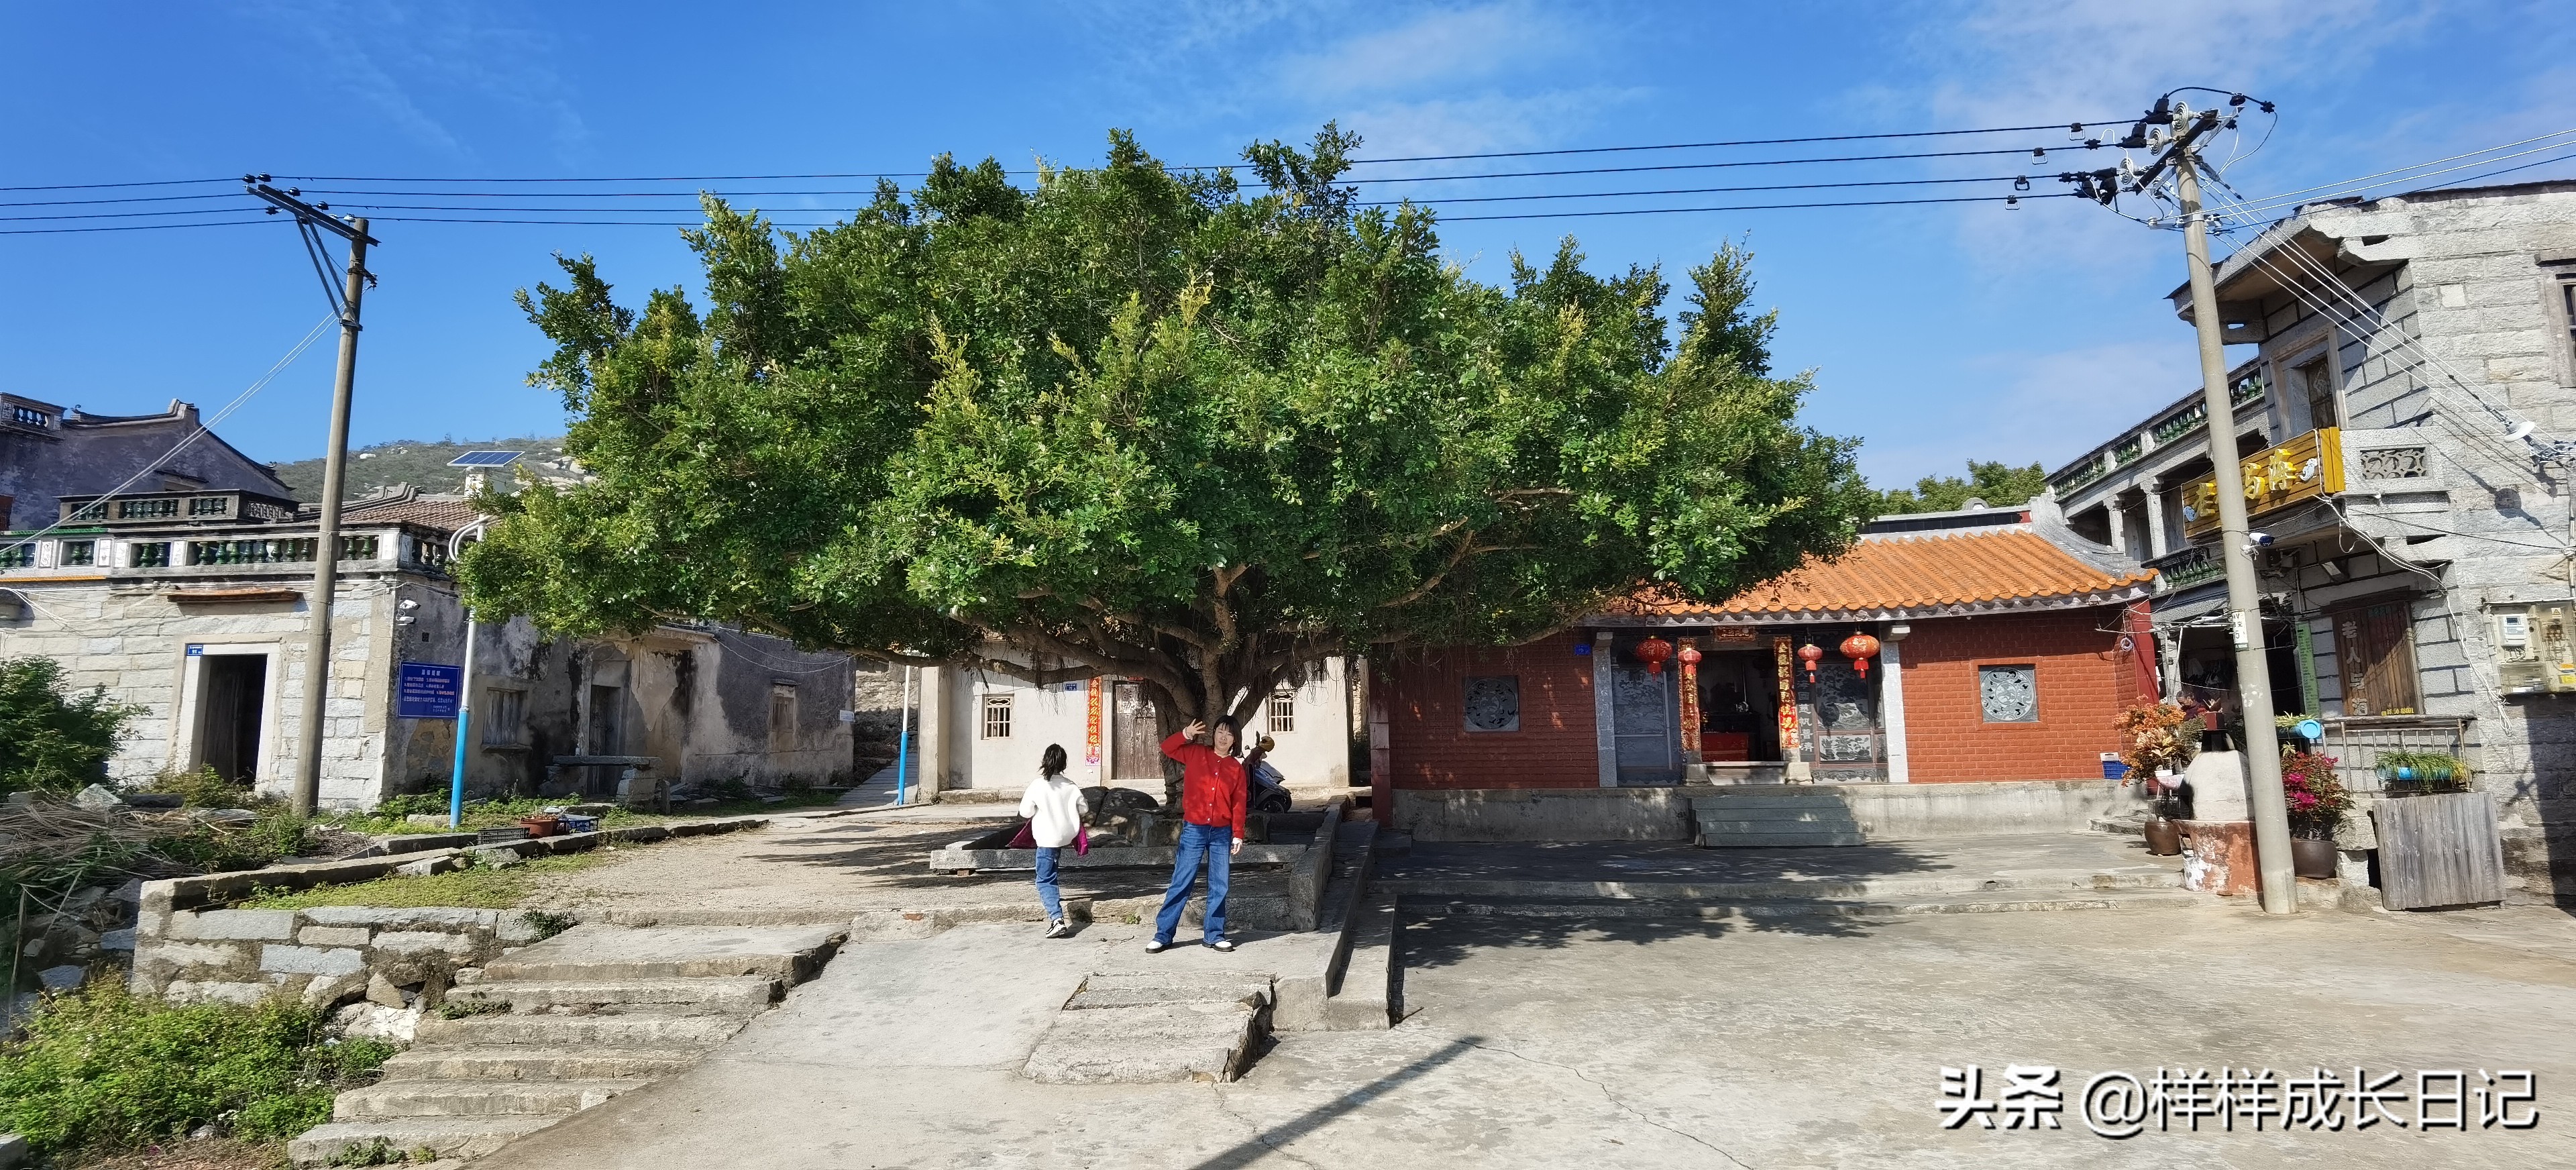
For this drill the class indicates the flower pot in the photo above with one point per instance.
(542, 826)
(2164, 838)
(2312, 857)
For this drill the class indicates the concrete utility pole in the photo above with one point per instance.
(2235, 543)
(312, 220)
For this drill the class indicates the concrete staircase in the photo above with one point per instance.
(1768, 816)
(552, 1029)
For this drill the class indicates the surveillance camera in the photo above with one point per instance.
(408, 603)
(2258, 539)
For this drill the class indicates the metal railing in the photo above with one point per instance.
(2357, 741)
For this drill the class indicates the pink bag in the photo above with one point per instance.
(1024, 839)
(1081, 841)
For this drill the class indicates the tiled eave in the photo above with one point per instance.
(2008, 605)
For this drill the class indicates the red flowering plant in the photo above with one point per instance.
(2151, 740)
(2316, 794)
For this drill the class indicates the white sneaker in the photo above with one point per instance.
(1155, 947)
(1059, 928)
(1223, 944)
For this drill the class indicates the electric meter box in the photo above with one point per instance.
(2535, 648)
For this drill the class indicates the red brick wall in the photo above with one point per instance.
(2084, 679)
(1555, 748)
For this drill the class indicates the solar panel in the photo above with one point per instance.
(486, 459)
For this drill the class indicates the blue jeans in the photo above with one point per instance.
(1215, 843)
(1048, 895)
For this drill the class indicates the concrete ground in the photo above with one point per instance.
(827, 869)
(1957, 864)
(1813, 1042)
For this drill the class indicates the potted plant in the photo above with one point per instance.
(2405, 773)
(2152, 741)
(2317, 801)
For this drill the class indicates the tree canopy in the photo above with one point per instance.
(1176, 426)
(1999, 484)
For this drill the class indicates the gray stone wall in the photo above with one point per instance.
(325, 955)
(2462, 276)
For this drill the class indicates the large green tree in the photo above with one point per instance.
(1153, 423)
(1999, 484)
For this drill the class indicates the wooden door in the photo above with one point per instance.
(2376, 644)
(229, 714)
(1136, 752)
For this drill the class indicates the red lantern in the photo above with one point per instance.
(1653, 651)
(1860, 648)
(1811, 654)
(1690, 655)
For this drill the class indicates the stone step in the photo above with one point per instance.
(638, 1029)
(1779, 840)
(521, 1062)
(788, 954)
(2132, 878)
(448, 1137)
(1364, 1000)
(1816, 802)
(1733, 828)
(742, 996)
(1994, 903)
(1148, 1044)
(1137, 988)
(476, 1098)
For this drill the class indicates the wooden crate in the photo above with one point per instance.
(2439, 850)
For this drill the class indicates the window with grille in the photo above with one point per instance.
(80, 552)
(147, 509)
(1283, 712)
(506, 721)
(155, 555)
(17, 554)
(997, 717)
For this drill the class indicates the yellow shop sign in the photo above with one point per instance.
(2304, 468)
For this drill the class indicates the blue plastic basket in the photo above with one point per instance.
(580, 824)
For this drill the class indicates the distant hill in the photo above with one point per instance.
(422, 465)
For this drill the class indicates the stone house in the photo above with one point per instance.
(983, 732)
(47, 453)
(2401, 436)
(193, 605)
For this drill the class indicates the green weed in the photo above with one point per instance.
(105, 1069)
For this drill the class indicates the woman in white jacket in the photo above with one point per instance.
(1054, 807)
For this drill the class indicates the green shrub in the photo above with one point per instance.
(50, 738)
(105, 1069)
(215, 849)
(203, 788)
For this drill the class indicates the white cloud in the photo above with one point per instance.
(2047, 406)
(1443, 48)
(408, 61)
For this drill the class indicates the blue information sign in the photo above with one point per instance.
(427, 690)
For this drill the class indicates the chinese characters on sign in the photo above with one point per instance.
(1788, 695)
(427, 690)
(1091, 728)
(2118, 1105)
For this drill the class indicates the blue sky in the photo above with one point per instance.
(1938, 334)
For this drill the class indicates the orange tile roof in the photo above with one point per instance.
(2014, 567)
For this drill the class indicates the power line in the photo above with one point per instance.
(2069, 127)
(1388, 203)
(105, 186)
(2011, 199)
(130, 227)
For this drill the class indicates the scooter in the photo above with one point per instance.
(1266, 791)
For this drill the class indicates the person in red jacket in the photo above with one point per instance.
(1212, 800)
